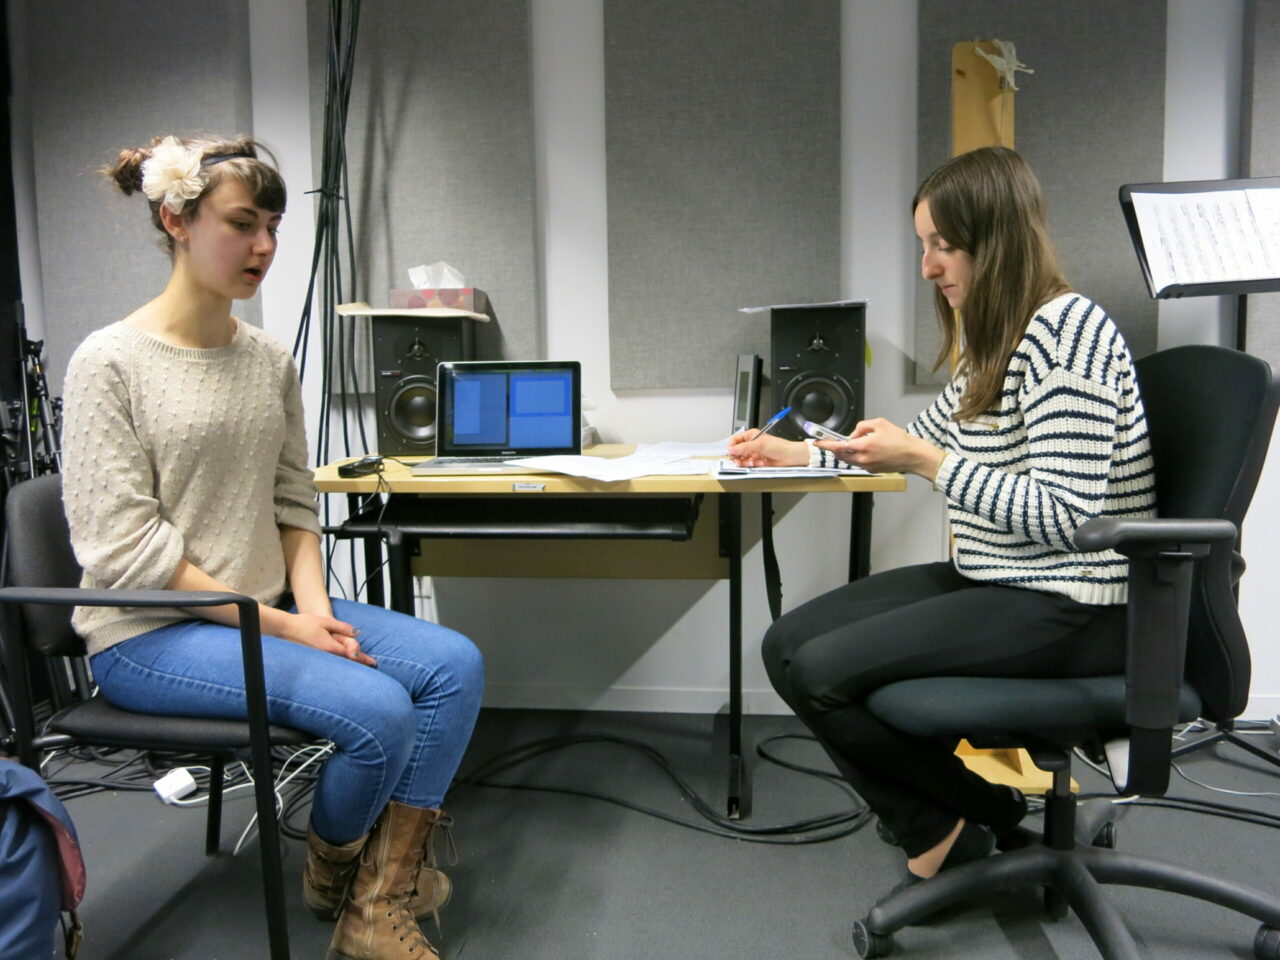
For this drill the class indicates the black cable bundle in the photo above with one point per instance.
(338, 374)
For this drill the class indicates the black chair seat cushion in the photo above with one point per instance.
(98, 722)
(971, 706)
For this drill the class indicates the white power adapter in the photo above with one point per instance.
(175, 785)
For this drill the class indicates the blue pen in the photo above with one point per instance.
(772, 423)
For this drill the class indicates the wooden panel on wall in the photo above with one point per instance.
(99, 81)
(440, 149)
(1261, 123)
(723, 152)
(1090, 118)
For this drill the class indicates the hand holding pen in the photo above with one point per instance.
(762, 449)
(773, 422)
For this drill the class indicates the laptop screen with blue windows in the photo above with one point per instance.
(509, 408)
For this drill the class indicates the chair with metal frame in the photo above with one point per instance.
(1210, 413)
(44, 586)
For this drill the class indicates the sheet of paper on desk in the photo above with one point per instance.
(681, 448)
(728, 470)
(605, 469)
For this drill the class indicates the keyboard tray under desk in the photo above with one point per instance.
(506, 535)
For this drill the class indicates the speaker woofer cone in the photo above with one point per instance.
(411, 410)
(828, 401)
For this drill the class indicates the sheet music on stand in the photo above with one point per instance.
(1206, 237)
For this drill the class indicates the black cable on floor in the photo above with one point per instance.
(137, 772)
(818, 829)
(1192, 805)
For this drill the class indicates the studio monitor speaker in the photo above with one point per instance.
(818, 365)
(405, 353)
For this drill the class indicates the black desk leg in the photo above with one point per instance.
(860, 537)
(727, 737)
(401, 572)
(372, 559)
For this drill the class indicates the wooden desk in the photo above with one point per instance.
(549, 507)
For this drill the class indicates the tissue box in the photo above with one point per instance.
(460, 298)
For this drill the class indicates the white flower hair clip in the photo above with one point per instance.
(173, 173)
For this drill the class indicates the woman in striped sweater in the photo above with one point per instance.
(1040, 429)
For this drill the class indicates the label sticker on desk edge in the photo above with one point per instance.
(528, 487)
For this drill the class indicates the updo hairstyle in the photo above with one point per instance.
(221, 159)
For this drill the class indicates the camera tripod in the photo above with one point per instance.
(31, 420)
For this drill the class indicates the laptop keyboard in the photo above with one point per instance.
(463, 461)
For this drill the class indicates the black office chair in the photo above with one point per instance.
(1210, 412)
(45, 580)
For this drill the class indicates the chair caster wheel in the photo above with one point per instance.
(1106, 837)
(1266, 945)
(885, 834)
(870, 944)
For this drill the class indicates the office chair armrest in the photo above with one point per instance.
(1129, 536)
(1162, 555)
(250, 626)
(250, 634)
(75, 596)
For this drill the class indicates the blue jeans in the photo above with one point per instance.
(399, 730)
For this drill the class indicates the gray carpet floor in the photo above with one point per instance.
(554, 875)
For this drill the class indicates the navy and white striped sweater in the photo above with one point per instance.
(1068, 443)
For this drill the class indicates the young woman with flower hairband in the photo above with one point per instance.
(186, 469)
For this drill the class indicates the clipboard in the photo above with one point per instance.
(1137, 200)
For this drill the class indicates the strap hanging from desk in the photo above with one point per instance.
(772, 575)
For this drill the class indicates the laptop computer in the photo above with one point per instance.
(490, 411)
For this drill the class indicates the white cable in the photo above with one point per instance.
(204, 797)
(1234, 793)
(1182, 773)
(318, 751)
(1106, 773)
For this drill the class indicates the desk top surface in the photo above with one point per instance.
(396, 478)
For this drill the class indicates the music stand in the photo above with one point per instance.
(1199, 238)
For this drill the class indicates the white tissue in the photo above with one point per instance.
(436, 276)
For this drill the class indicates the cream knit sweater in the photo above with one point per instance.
(171, 452)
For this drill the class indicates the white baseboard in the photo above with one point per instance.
(1262, 707)
(628, 699)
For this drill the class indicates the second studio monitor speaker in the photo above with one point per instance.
(746, 393)
(405, 353)
(818, 365)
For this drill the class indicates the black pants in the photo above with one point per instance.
(826, 656)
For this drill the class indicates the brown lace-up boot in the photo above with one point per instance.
(377, 922)
(329, 871)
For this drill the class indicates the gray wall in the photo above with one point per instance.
(440, 148)
(1090, 119)
(100, 81)
(1262, 157)
(723, 151)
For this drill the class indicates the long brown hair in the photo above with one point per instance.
(222, 158)
(988, 203)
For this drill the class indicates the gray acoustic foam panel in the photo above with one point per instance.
(1262, 159)
(102, 80)
(440, 152)
(1090, 119)
(723, 151)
